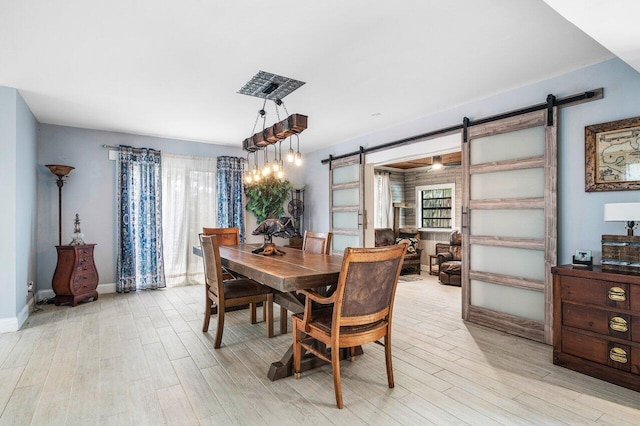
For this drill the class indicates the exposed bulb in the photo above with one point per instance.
(266, 170)
(248, 178)
(298, 159)
(290, 155)
(256, 178)
(280, 174)
(275, 166)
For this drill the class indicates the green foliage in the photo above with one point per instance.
(266, 197)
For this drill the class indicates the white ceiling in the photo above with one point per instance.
(173, 68)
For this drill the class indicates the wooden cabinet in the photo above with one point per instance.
(76, 276)
(596, 327)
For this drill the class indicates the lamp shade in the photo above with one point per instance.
(621, 212)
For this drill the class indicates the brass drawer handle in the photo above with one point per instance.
(618, 355)
(617, 294)
(618, 324)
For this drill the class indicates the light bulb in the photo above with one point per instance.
(290, 155)
(275, 166)
(266, 170)
(298, 159)
(248, 178)
(280, 174)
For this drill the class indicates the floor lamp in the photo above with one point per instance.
(61, 172)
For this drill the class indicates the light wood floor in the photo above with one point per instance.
(141, 358)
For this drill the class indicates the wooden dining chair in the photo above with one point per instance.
(358, 312)
(230, 293)
(313, 242)
(317, 242)
(226, 237)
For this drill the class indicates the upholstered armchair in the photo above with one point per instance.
(387, 237)
(450, 262)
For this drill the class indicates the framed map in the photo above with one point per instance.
(612, 156)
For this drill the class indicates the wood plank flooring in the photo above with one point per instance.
(142, 359)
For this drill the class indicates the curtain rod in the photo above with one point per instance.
(588, 96)
(110, 146)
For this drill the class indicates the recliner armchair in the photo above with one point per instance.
(387, 237)
(450, 262)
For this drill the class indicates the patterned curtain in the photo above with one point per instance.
(230, 185)
(140, 262)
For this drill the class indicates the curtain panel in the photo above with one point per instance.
(140, 259)
(383, 206)
(188, 204)
(230, 185)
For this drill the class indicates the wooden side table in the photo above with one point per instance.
(76, 276)
(433, 266)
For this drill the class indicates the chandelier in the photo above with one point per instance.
(272, 87)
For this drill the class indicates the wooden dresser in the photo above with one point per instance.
(596, 327)
(76, 276)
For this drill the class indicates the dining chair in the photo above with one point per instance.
(313, 242)
(230, 293)
(226, 237)
(358, 312)
(317, 242)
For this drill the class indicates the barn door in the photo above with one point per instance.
(346, 208)
(509, 224)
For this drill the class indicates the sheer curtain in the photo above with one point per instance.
(383, 207)
(189, 203)
(230, 189)
(140, 262)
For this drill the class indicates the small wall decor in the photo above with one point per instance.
(612, 155)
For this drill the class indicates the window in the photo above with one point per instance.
(435, 207)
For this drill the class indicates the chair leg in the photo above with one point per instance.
(297, 354)
(283, 320)
(252, 313)
(207, 313)
(387, 356)
(267, 308)
(220, 327)
(337, 386)
(352, 353)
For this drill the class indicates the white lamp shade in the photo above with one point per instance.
(621, 212)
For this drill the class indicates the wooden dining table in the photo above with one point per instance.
(295, 270)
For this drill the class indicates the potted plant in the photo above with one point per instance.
(265, 198)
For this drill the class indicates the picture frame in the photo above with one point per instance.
(582, 255)
(612, 155)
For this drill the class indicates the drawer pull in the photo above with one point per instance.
(618, 355)
(618, 324)
(617, 294)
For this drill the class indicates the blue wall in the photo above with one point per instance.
(18, 136)
(90, 190)
(580, 213)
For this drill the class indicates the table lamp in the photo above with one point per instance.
(629, 213)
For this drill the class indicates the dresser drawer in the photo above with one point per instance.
(599, 321)
(596, 292)
(602, 351)
(85, 252)
(83, 281)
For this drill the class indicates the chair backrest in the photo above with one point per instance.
(212, 266)
(367, 284)
(384, 237)
(455, 245)
(226, 236)
(317, 242)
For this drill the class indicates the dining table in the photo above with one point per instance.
(294, 270)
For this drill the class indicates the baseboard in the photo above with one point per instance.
(8, 325)
(102, 289)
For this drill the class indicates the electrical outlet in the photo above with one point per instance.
(30, 286)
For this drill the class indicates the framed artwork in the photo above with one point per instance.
(612, 156)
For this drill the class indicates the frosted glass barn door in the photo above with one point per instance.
(346, 203)
(509, 224)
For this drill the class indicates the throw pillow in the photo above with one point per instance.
(412, 242)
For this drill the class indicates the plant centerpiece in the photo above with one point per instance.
(265, 199)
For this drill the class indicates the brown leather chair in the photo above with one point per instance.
(358, 312)
(450, 262)
(317, 242)
(387, 237)
(230, 293)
